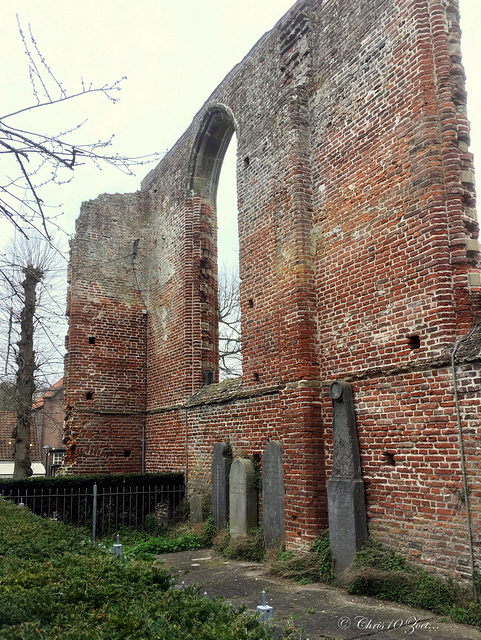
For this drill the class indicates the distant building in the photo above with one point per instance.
(48, 417)
(46, 434)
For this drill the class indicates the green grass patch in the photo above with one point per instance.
(167, 543)
(54, 584)
(145, 546)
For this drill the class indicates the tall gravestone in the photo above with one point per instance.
(221, 464)
(345, 489)
(242, 497)
(273, 521)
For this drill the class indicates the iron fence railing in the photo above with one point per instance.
(105, 509)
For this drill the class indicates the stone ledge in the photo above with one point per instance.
(467, 177)
(473, 246)
(474, 279)
(303, 384)
(229, 390)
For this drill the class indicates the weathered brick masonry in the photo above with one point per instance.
(358, 261)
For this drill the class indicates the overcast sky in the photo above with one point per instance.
(173, 52)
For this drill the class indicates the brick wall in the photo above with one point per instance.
(105, 380)
(358, 260)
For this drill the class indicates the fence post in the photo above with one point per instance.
(94, 512)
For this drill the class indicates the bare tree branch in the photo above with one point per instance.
(40, 157)
(230, 347)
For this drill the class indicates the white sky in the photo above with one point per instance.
(173, 52)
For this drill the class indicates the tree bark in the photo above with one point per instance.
(25, 374)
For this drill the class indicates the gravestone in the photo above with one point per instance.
(345, 489)
(221, 464)
(273, 521)
(242, 497)
(197, 508)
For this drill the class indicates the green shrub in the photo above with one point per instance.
(381, 573)
(385, 585)
(326, 562)
(374, 555)
(113, 481)
(55, 585)
(209, 532)
(433, 593)
(468, 614)
(312, 566)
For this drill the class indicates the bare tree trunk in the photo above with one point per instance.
(25, 374)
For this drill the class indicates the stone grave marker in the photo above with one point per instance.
(221, 464)
(273, 521)
(345, 489)
(197, 510)
(242, 497)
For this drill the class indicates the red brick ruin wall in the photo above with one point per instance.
(358, 261)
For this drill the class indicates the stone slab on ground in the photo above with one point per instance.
(315, 611)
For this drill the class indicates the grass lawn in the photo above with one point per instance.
(56, 585)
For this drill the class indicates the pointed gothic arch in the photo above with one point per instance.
(208, 153)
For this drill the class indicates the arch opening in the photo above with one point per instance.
(214, 191)
(230, 346)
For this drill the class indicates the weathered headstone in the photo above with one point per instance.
(221, 464)
(345, 489)
(273, 521)
(242, 497)
(197, 508)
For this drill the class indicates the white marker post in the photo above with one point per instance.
(117, 548)
(265, 611)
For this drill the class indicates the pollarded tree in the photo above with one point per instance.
(28, 316)
(33, 275)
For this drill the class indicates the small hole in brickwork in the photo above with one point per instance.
(389, 459)
(414, 342)
(126, 454)
(250, 303)
(89, 395)
(209, 376)
(256, 376)
(92, 340)
(472, 227)
(247, 162)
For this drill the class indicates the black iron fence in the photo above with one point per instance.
(105, 510)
